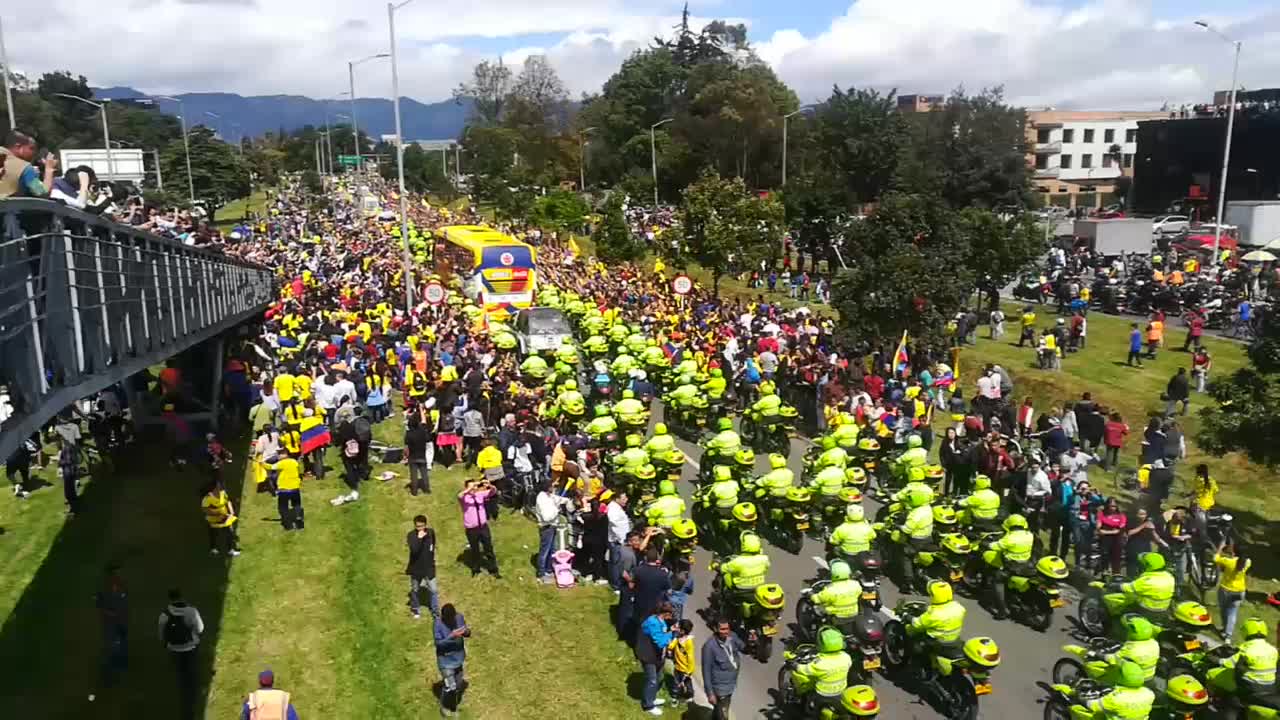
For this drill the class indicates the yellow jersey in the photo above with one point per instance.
(1231, 578)
(217, 510)
(490, 457)
(290, 474)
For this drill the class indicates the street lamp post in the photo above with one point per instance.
(582, 158)
(785, 119)
(1226, 150)
(351, 80)
(395, 101)
(4, 63)
(653, 157)
(186, 145)
(106, 132)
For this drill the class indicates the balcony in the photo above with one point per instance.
(1050, 148)
(1048, 173)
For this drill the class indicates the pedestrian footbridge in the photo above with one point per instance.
(86, 302)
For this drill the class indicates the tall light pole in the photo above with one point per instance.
(404, 205)
(582, 157)
(653, 157)
(239, 137)
(351, 80)
(326, 152)
(4, 63)
(106, 132)
(1226, 150)
(186, 144)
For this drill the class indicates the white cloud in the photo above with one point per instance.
(1113, 54)
(1109, 53)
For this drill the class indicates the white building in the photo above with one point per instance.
(1074, 153)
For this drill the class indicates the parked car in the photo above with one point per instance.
(1053, 212)
(541, 329)
(1170, 224)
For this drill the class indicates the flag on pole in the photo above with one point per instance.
(901, 361)
(573, 247)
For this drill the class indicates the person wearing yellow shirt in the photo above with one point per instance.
(683, 658)
(489, 461)
(1233, 568)
(220, 514)
(288, 489)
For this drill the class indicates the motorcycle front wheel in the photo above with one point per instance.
(895, 644)
(1093, 615)
(806, 618)
(1057, 709)
(1037, 613)
(764, 649)
(964, 699)
(787, 699)
(1067, 671)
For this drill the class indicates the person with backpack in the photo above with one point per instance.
(180, 628)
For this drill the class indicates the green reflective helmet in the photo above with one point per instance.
(602, 410)
(724, 424)
(1137, 628)
(914, 441)
(828, 442)
(840, 570)
(776, 461)
(628, 395)
(634, 441)
(749, 543)
(1015, 521)
(1254, 627)
(917, 497)
(660, 429)
(1151, 561)
(571, 384)
(666, 487)
(715, 372)
(830, 640)
(855, 513)
(745, 456)
(722, 473)
(981, 482)
(1130, 674)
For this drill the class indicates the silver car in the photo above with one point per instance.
(541, 329)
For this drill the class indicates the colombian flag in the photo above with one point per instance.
(315, 434)
(901, 362)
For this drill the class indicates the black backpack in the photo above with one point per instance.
(363, 429)
(176, 629)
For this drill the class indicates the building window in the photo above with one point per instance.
(1088, 136)
(1042, 136)
(1042, 162)
(1086, 161)
(1131, 135)
(1128, 160)
(1065, 162)
(1068, 136)
(1106, 161)
(1109, 136)
(1064, 189)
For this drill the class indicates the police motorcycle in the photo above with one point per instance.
(863, 633)
(1179, 628)
(857, 701)
(1216, 668)
(753, 615)
(787, 517)
(771, 433)
(953, 679)
(950, 559)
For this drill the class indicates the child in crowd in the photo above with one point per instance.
(681, 589)
(683, 651)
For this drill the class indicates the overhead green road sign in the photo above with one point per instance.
(349, 160)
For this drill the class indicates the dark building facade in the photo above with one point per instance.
(1179, 161)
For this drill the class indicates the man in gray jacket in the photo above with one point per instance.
(721, 657)
(180, 628)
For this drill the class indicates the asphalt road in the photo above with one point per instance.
(1027, 655)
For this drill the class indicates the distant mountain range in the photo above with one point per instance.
(257, 114)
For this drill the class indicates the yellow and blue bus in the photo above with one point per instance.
(498, 272)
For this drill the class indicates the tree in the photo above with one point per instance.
(538, 93)
(1246, 415)
(909, 274)
(971, 151)
(560, 210)
(997, 250)
(219, 175)
(725, 228)
(613, 238)
(488, 90)
(860, 135)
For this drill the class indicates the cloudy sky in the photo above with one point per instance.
(1110, 54)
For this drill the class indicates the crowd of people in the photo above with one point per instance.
(338, 354)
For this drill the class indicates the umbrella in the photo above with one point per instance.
(1259, 256)
(1273, 245)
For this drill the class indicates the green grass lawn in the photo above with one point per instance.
(324, 608)
(230, 214)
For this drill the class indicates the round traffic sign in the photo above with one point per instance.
(434, 293)
(682, 284)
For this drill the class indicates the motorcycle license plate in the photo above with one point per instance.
(1057, 603)
(957, 575)
(870, 596)
(1191, 644)
(871, 663)
(804, 525)
(982, 688)
(769, 630)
